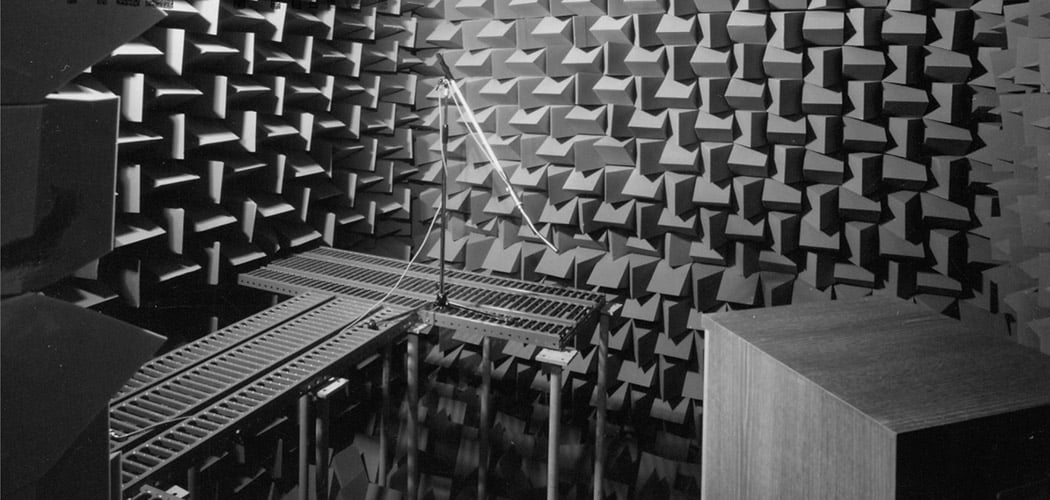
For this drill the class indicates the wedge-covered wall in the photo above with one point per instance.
(685, 156)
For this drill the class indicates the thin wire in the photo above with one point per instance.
(479, 137)
(419, 251)
(120, 436)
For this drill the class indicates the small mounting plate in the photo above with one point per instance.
(556, 358)
(331, 387)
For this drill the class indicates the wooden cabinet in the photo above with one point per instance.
(869, 399)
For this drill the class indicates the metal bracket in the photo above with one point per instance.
(172, 493)
(331, 387)
(419, 328)
(556, 358)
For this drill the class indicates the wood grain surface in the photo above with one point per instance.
(771, 434)
(810, 401)
(897, 362)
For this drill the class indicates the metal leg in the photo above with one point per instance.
(115, 487)
(599, 424)
(483, 424)
(556, 361)
(322, 426)
(321, 448)
(412, 363)
(383, 415)
(193, 482)
(304, 446)
(552, 439)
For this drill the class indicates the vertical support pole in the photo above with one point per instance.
(116, 489)
(193, 482)
(443, 95)
(599, 420)
(412, 367)
(556, 361)
(384, 412)
(552, 439)
(486, 417)
(321, 447)
(304, 446)
(322, 426)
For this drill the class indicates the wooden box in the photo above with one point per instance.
(870, 398)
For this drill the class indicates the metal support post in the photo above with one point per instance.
(322, 427)
(443, 95)
(552, 439)
(602, 403)
(412, 369)
(116, 489)
(384, 445)
(486, 417)
(556, 361)
(321, 447)
(193, 482)
(305, 426)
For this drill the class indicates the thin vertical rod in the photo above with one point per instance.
(443, 117)
(412, 363)
(115, 487)
(552, 439)
(321, 447)
(486, 417)
(599, 421)
(304, 446)
(383, 416)
(193, 482)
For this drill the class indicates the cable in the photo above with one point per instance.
(479, 137)
(419, 251)
(121, 436)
